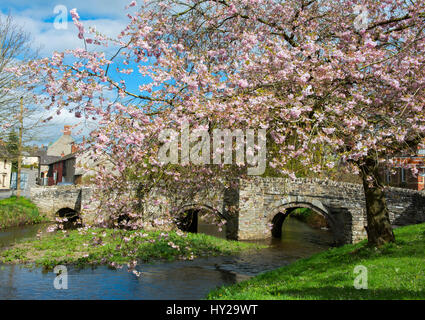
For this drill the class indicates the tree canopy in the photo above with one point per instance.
(309, 72)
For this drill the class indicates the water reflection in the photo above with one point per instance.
(211, 229)
(10, 235)
(175, 280)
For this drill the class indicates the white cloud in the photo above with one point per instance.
(50, 130)
(36, 17)
(48, 39)
(109, 17)
(59, 40)
(38, 9)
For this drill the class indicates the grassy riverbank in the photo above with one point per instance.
(107, 246)
(395, 271)
(308, 216)
(18, 212)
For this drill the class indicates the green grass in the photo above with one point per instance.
(308, 216)
(106, 246)
(17, 212)
(395, 271)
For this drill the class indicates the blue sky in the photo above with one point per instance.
(37, 17)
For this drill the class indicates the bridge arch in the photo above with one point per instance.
(188, 215)
(257, 200)
(283, 208)
(72, 216)
(66, 212)
(199, 206)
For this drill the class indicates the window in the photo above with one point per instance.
(5, 163)
(403, 175)
(4, 180)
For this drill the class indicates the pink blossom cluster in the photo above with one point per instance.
(326, 92)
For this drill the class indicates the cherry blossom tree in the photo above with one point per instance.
(348, 75)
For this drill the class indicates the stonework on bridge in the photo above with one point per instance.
(265, 202)
(262, 204)
(50, 200)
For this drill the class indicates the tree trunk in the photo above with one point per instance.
(379, 230)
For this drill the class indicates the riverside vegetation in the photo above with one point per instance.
(116, 247)
(395, 271)
(18, 212)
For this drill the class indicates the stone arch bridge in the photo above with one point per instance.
(262, 205)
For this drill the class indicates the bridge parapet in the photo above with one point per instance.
(343, 204)
(50, 200)
(257, 201)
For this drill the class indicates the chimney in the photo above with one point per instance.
(67, 130)
(74, 148)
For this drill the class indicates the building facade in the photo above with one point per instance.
(62, 170)
(5, 172)
(404, 177)
(62, 147)
(5, 168)
(75, 167)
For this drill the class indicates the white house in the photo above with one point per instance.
(5, 169)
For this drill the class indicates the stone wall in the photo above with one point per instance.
(217, 202)
(50, 200)
(405, 206)
(256, 205)
(343, 205)
(263, 198)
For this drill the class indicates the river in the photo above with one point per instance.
(168, 280)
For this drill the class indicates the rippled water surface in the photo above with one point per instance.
(171, 280)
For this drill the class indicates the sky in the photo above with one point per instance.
(38, 17)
